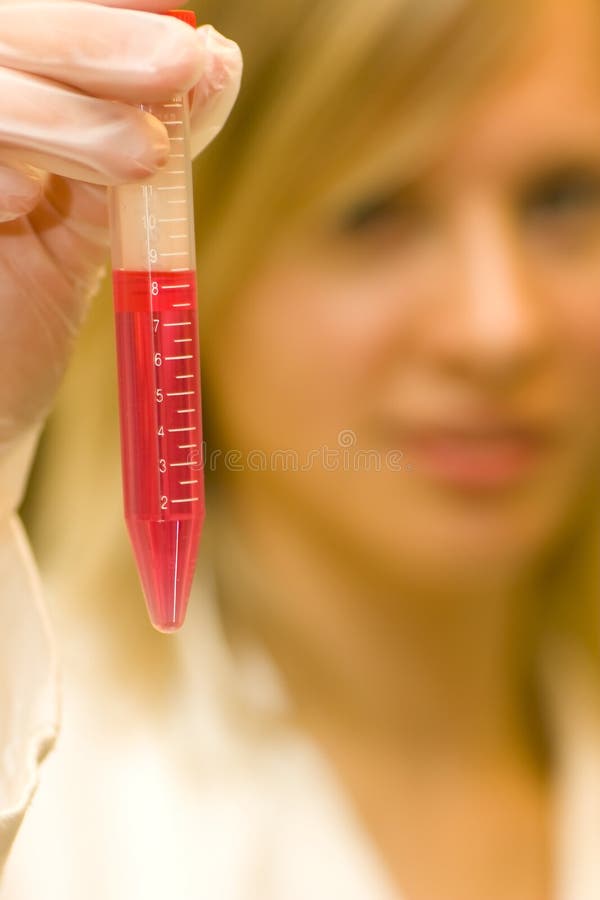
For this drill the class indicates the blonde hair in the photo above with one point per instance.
(335, 94)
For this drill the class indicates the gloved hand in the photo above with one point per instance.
(71, 74)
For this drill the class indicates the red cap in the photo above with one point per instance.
(185, 15)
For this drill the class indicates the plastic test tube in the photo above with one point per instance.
(154, 288)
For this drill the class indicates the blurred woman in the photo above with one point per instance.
(388, 682)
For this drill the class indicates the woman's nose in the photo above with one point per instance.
(496, 326)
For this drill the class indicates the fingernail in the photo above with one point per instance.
(217, 42)
(16, 205)
(161, 153)
(20, 190)
(224, 58)
(223, 63)
(6, 216)
(156, 147)
(146, 151)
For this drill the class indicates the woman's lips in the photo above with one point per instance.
(476, 460)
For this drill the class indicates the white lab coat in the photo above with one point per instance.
(223, 800)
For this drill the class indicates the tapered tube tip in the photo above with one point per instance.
(166, 553)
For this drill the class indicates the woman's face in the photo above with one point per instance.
(421, 377)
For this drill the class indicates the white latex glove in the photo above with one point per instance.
(71, 74)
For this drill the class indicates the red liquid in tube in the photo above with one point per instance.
(161, 433)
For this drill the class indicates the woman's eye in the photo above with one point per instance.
(375, 216)
(564, 197)
(366, 214)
